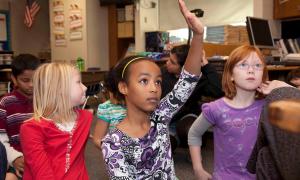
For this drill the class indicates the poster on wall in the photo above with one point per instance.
(75, 20)
(59, 26)
(3, 30)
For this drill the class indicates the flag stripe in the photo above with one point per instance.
(31, 9)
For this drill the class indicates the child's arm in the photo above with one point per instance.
(193, 61)
(33, 148)
(14, 157)
(190, 73)
(100, 131)
(213, 85)
(195, 140)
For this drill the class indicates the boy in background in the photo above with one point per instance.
(16, 107)
(293, 78)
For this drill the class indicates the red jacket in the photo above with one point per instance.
(45, 149)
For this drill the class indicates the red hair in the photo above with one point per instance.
(236, 56)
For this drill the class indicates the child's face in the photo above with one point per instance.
(247, 74)
(143, 90)
(172, 64)
(23, 82)
(296, 82)
(77, 89)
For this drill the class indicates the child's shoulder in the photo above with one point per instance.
(217, 102)
(33, 123)
(108, 105)
(105, 105)
(8, 99)
(85, 114)
(260, 102)
(113, 136)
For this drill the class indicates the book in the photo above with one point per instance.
(297, 45)
(283, 47)
(291, 44)
(288, 47)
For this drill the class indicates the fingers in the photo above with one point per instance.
(209, 176)
(18, 173)
(184, 10)
(259, 89)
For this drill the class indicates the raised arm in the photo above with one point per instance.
(193, 61)
(189, 77)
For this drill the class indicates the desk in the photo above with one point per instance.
(281, 68)
(279, 72)
(92, 77)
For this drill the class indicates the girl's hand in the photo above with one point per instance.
(193, 22)
(204, 60)
(202, 175)
(268, 86)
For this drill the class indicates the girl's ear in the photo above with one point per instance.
(14, 80)
(231, 79)
(122, 86)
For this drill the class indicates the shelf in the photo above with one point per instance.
(6, 52)
(121, 35)
(288, 9)
(126, 29)
(5, 66)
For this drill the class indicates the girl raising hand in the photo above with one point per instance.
(139, 146)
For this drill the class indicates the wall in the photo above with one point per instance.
(167, 16)
(94, 44)
(73, 49)
(264, 9)
(216, 12)
(24, 40)
(146, 19)
(97, 35)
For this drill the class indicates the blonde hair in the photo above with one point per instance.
(51, 92)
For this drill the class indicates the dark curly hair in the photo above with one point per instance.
(111, 85)
(181, 53)
(24, 62)
(295, 73)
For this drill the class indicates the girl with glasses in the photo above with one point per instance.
(234, 118)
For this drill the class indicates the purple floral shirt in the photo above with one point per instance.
(148, 157)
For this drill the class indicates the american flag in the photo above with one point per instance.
(31, 9)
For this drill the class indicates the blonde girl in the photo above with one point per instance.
(53, 140)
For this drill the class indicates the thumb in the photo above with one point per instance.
(18, 173)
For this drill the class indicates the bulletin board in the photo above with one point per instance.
(4, 30)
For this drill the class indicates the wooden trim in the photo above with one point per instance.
(113, 34)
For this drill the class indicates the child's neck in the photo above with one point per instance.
(27, 96)
(242, 99)
(136, 124)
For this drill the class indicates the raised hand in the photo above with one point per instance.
(193, 22)
(268, 86)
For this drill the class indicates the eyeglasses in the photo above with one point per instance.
(245, 66)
